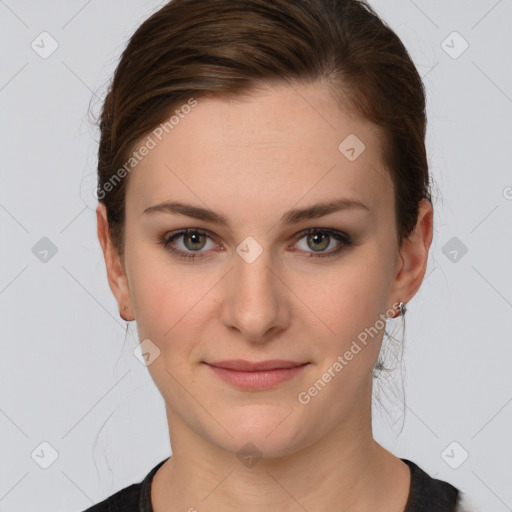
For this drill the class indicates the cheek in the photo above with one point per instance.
(153, 291)
(164, 303)
(346, 299)
(169, 300)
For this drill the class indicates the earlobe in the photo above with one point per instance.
(116, 275)
(414, 255)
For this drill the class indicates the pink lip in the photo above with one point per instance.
(256, 375)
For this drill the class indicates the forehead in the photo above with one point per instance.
(285, 142)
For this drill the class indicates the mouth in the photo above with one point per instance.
(257, 375)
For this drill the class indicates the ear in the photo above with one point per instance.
(117, 279)
(413, 256)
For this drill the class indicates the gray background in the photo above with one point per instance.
(69, 377)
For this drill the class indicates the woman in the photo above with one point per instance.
(264, 208)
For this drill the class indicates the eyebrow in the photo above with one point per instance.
(291, 217)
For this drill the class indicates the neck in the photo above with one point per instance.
(344, 470)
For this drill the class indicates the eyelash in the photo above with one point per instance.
(344, 239)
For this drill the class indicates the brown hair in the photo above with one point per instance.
(197, 48)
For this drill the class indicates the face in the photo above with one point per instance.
(276, 280)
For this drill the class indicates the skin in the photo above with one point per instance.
(252, 160)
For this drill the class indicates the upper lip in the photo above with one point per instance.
(248, 366)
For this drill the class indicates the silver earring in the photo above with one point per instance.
(402, 309)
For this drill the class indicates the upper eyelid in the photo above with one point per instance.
(182, 232)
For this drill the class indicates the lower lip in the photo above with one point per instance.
(257, 380)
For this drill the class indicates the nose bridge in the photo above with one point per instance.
(255, 302)
(255, 277)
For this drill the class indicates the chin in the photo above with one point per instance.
(263, 430)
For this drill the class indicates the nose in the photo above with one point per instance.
(256, 300)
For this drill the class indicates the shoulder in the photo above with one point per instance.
(427, 493)
(134, 498)
(125, 500)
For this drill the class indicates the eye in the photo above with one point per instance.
(193, 241)
(320, 239)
